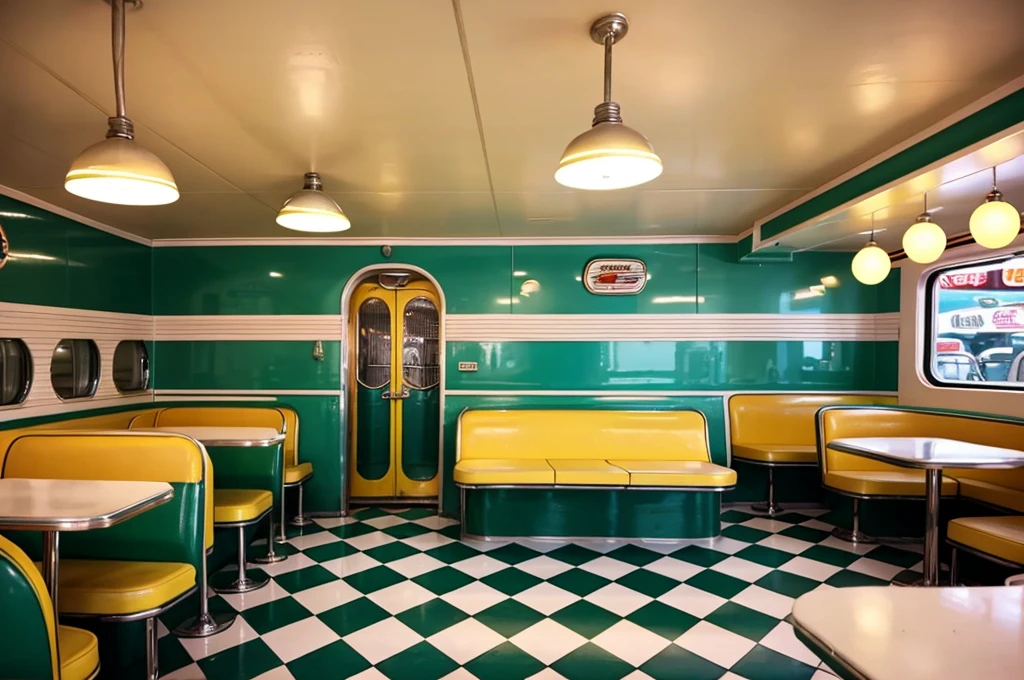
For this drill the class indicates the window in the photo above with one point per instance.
(15, 371)
(976, 325)
(131, 366)
(75, 369)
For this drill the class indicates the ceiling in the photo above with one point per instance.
(446, 118)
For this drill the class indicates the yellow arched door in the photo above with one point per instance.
(395, 391)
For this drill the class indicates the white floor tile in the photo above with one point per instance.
(715, 644)
(435, 522)
(401, 596)
(255, 598)
(546, 598)
(460, 674)
(692, 600)
(765, 601)
(369, 674)
(474, 598)
(480, 566)
(540, 545)
(161, 629)
(385, 521)
(486, 546)
(817, 524)
(415, 565)
(350, 564)
(312, 540)
(766, 524)
(334, 522)
(729, 546)
(608, 567)
(429, 541)
(367, 541)
(547, 674)
(784, 641)
(638, 675)
(856, 548)
(200, 648)
(279, 673)
(466, 640)
(801, 566)
(293, 563)
(662, 547)
(882, 570)
(190, 672)
(745, 570)
(673, 568)
(618, 599)
(785, 544)
(822, 674)
(631, 643)
(327, 596)
(299, 638)
(543, 567)
(547, 641)
(382, 640)
(732, 676)
(602, 545)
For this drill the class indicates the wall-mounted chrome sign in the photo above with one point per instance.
(615, 277)
(4, 245)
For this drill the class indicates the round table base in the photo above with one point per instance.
(200, 627)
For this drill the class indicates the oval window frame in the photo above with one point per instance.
(5, 250)
(94, 381)
(146, 371)
(26, 387)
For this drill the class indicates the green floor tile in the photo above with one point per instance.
(590, 662)
(374, 579)
(511, 581)
(416, 513)
(240, 662)
(647, 582)
(587, 619)
(666, 621)
(805, 534)
(329, 551)
(513, 553)
(717, 583)
(303, 579)
(453, 552)
(895, 556)
(432, 617)
(769, 557)
(352, 530)
(741, 620)
(308, 530)
(407, 530)
(833, 556)
(574, 554)
(787, 584)
(273, 615)
(336, 660)
(363, 514)
(737, 516)
(422, 661)
(676, 663)
(762, 663)
(635, 555)
(171, 655)
(792, 517)
(579, 582)
(391, 552)
(356, 615)
(509, 617)
(453, 531)
(443, 580)
(702, 557)
(745, 534)
(847, 578)
(504, 662)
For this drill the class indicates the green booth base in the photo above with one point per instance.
(799, 484)
(886, 518)
(567, 513)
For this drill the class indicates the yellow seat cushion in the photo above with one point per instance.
(503, 471)
(240, 505)
(79, 653)
(112, 587)
(993, 494)
(676, 473)
(293, 474)
(1002, 537)
(885, 482)
(588, 472)
(776, 453)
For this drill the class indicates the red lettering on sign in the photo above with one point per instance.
(964, 280)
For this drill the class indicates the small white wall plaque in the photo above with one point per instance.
(467, 365)
(615, 277)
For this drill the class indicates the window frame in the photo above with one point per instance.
(931, 308)
(94, 383)
(146, 370)
(29, 377)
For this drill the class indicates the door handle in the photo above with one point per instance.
(395, 395)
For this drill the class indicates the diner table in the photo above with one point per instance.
(930, 454)
(882, 633)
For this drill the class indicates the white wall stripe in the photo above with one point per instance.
(297, 393)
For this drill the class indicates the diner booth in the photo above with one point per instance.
(322, 362)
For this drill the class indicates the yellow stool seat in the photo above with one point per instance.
(113, 587)
(676, 473)
(293, 474)
(588, 473)
(503, 471)
(240, 505)
(79, 653)
(885, 482)
(780, 454)
(1002, 537)
(993, 494)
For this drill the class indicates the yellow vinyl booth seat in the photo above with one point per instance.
(998, 537)
(586, 448)
(240, 505)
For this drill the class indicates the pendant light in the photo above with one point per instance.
(871, 265)
(117, 170)
(609, 155)
(925, 241)
(312, 210)
(995, 223)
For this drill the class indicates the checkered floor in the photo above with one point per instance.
(396, 595)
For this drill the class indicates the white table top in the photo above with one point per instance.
(930, 452)
(75, 505)
(227, 436)
(886, 633)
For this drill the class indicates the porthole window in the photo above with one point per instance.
(131, 366)
(15, 371)
(75, 369)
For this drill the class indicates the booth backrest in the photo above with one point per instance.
(857, 421)
(774, 419)
(107, 421)
(173, 532)
(567, 434)
(28, 636)
(214, 416)
(291, 435)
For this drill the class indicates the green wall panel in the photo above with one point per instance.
(889, 292)
(245, 365)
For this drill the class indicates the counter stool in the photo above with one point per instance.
(296, 476)
(240, 508)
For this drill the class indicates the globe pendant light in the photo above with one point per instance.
(925, 241)
(871, 265)
(312, 210)
(609, 155)
(117, 170)
(995, 223)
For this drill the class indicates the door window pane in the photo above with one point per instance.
(131, 366)
(75, 369)
(374, 343)
(420, 343)
(15, 371)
